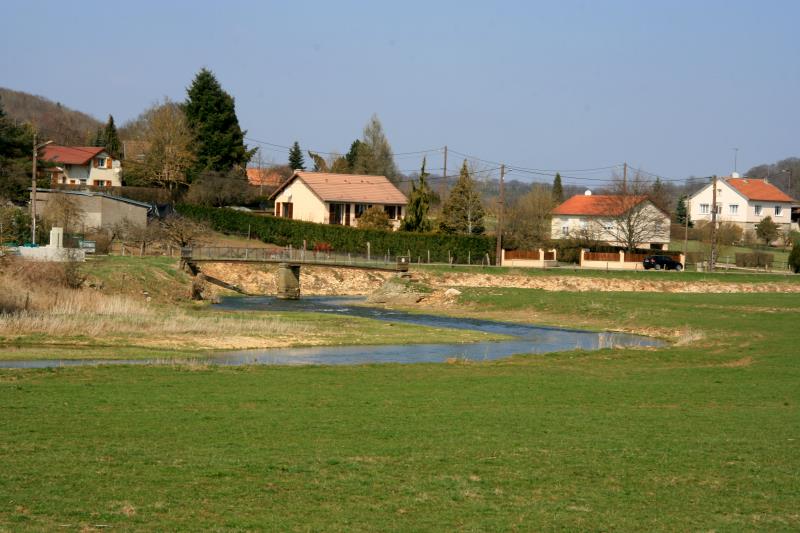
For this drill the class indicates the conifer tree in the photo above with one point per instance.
(419, 202)
(374, 153)
(681, 213)
(99, 138)
(211, 115)
(111, 139)
(463, 212)
(558, 190)
(296, 160)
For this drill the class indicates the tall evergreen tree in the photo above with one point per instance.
(354, 157)
(111, 138)
(296, 160)
(419, 202)
(681, 213)
(211, 115)
(463, 212)
(15, 161)
(99, 137)
(558, 190)
(374, 152)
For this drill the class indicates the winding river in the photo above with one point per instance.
(526, 339)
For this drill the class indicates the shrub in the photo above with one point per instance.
(754, 260)
(794, 258)
(284, 232)
(374, 218)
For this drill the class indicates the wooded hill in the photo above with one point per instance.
(53, 120)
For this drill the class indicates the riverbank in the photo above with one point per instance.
(691, 436)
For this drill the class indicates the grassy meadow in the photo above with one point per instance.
(700, 435)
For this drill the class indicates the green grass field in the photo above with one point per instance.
(689, 437)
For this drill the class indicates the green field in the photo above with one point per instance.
(702, 435)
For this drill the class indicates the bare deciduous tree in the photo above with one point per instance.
(181, 231)
(63, 210)
(529, 218)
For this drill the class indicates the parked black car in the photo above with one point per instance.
(660, 262)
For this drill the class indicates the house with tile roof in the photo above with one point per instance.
(327, 198)
(81, 165)
(742, 201)
(615, 220)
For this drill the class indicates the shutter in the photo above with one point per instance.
(108, 162)
(289, 208)
(277, 209)
(94, 163)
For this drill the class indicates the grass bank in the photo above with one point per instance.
(695, 436)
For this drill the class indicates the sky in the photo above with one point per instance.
(673, 88)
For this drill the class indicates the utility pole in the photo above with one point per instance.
(501, 208)
(625, 178)
(33, 192)
(686, 229)
(713, 262)
(443, 186)
(33, 186)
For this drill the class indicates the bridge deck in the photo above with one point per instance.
(226, 254)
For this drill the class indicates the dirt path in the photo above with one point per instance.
(347, 282)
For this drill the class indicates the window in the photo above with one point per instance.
(565, 230)
(719, 209)
(287, 210)
(393, 211)
(758, 210)
(101, 162)
(99, 183)
(335, 213)
(703, 209)
(778, 210)
(733, 209)
(360, 208)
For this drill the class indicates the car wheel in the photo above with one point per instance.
(658, 267)
(678, 268)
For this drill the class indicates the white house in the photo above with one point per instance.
(612, 219)
(742, 201)
(82, 165)
(327, 198)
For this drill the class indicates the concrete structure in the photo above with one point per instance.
(54, 251)
(100, 210)
(327, 198)
(742, 201)
(529, 258)
(288, 281)
(607, 219)
(618, 260)
(82, 165)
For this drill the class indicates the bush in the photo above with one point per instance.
(284, 232)
(794, 258)
(754, 260)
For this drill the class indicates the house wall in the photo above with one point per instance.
(87, 174)
(306, 205)
(98, 211)
(596, 226)
(745, 217)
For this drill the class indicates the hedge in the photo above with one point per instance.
(284, 232)
(754, 260)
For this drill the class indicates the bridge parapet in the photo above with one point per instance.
(293, 256)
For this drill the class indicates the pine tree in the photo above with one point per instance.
(296, 160)
(558, 190)
(463, 211)
(375, 153)
(419, 202)
(681, 213)
(99, 138)
(111, 139)
(211, 115)
(15, 160)
(355, 157)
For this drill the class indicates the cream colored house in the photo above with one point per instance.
(82, 165)
(327, 198)
(742, 201)
(612, 219)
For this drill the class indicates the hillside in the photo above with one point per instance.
(53, 120)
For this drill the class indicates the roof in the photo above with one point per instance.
(349, 188)
(263, 176)
(102, 194)
(758, 189)
(70, 155)
(598, 205)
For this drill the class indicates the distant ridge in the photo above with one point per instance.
(54, 121)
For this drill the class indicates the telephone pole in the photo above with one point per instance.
(625, 178)
(501, 208)
(443, 186)
(33, 186)
(713, 261)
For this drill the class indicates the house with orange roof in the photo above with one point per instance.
(615, 220)
(327, 198)
(81, 165)
(742, 201)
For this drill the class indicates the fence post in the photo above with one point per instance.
(368, 251)
(469, 257)
(429, 257)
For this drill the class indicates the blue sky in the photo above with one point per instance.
(672, 87)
